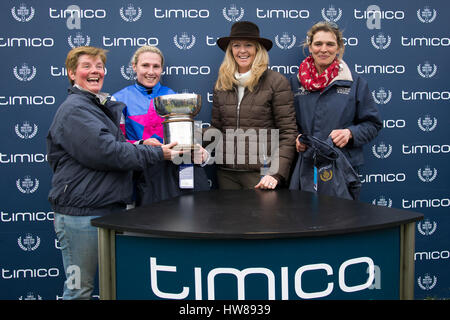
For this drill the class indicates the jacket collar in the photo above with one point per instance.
(143, 89)
(101, 96)
(344, 74)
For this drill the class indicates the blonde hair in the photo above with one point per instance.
(135, 57)
(75, 53)
(326, 27)
(229, 66)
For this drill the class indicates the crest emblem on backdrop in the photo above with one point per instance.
(426, 15)
(27, 185)
(233, 14)
(184, 42)
(26, 130)
(22, 13)
(331, 14)
(130, 13)
(381, 41)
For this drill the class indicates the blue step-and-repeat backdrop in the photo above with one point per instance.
(400, 47)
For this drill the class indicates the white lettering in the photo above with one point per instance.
(268, 274)
(282, 14)
(181, 13)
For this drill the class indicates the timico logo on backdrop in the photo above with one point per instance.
(282, 13)
(181, 13)
(380, 69)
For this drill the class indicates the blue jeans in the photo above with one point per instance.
(79, 242)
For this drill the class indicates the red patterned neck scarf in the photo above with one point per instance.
(313, 81)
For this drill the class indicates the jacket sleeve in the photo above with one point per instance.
(367, 121)
(86, 137)
(216, 122)
(284, 118)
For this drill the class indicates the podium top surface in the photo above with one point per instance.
(254, 214)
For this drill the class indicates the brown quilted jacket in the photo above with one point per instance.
(269, 106)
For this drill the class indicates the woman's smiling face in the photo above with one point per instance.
(148, 69)
(324, 49)
(244, 52)
(89, 73)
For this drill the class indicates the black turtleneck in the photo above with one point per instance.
(149, 89)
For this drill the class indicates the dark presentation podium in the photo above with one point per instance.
(257, 244)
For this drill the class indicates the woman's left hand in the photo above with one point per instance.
(200, 155)
(341, 137)
(267, 182)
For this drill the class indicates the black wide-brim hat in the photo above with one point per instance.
(244, 30)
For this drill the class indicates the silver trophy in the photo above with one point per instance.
(178, 111)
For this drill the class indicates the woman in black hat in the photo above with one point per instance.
(253, 110)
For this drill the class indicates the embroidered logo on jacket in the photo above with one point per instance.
(343, 90)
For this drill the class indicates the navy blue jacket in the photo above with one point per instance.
(334, 175)
(346, 103)
(92, 162)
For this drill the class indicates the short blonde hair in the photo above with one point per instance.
(229, 66)
(139, 51)
(75, 53)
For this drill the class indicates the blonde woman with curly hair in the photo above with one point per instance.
(250, 103)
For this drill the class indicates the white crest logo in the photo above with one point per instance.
(427, 175)
(24, 73)
(130, 14)
(381, 151)
(427, 124)
(331, 14)
(27, 185)
(285, 42)
(29, 243)
(30, 296)
(184, 42)
(26, 131)
(426, 227)
(79, 40)
(232, 13)
(427, 282)
(382, 96)
(427, 70)
(128, 72)
(382, 202)
(381, 41)
(22, 14)
(426, 15)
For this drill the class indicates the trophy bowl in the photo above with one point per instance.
(178, 111)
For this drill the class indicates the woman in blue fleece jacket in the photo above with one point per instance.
(330, 100)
